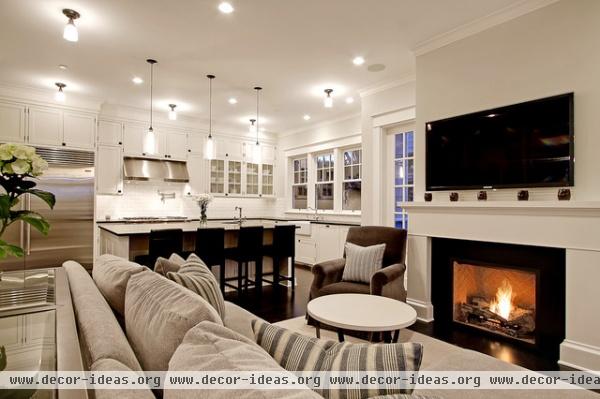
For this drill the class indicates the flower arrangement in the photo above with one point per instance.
(203, 200)
(19, 164)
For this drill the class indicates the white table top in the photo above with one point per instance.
(362, 312)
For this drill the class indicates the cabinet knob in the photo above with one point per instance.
(119, 191)
(166, 156)
(143, 154)
(64, 144)
(120, 143)
(189, 150)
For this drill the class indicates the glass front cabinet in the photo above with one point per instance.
(238, 178)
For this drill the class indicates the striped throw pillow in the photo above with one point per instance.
(297, 352)
(362, 262)
(196, 276)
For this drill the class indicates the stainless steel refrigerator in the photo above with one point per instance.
(70, 177)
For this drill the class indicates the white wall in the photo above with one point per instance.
(550, 51)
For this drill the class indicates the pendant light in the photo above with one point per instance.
(209, 149)
(70, 32)
(60, 94)
(328, 101)
(257, 150)
(150, 139)
(252, 126)
(172, 112)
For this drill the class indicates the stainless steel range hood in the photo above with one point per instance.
(146, 169)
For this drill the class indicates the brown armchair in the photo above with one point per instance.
(388, 282)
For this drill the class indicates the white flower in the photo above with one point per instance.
(23, 152)
(6, 151)
(203, 199)
(38, 165)
(20, 166)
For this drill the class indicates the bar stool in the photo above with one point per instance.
(283, 247)
(161, 243)
(210, 247)
(249, 249)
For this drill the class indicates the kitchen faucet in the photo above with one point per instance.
(239, 208)
(316, 216)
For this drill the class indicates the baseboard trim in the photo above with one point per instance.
(579, 355)
(424, 309)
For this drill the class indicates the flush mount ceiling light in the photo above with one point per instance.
(306, 117)
(62, 67)
(349, 100)
(70, 32)
(328, 101)
(358, 60)
(172, 112)
(150, 139)
(209, 149)
(60, 94)
(226, 8)
(137, 80)
(252, 126)
(232, 101)
(257, 150)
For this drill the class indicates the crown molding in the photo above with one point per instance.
(383, 86)
(480, 24)
(317, 125)
(37, 96)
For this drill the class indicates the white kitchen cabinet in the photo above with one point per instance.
(79, 130)
(133, 140)
(229, 148)
(45, 126)
(109, 170)
(195, 143)
(12, 123)
(196, 165)
(110, 133)
(251, 179)
(176, 145)
(217, 176)
(327, 237)
(306, 250)
(267, 153)
(267, 180)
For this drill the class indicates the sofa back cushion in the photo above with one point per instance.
(212, 347)
(100, 334)
(112, 365)
(158, 314)
(173, 264)
(111, 274)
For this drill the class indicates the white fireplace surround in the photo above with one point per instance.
(574, 226)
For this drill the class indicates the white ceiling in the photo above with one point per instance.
(293, 48)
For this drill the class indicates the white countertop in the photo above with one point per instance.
(124, 229)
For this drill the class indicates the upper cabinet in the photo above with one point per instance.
(45, 126)
(133, 140)
(79, 130)
(12, 123)
(229, 148)
(110, 133)
(172, 145)
(109, 175)
(195, 143)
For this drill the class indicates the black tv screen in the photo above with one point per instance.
(522, 145)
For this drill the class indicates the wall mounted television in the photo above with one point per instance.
(530, 144)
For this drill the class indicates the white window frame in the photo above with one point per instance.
(333, 175)
(404, 186)
(306, 158)
(351, 180)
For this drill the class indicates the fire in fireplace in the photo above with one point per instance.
(497, 299)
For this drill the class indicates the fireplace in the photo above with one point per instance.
(513, 293)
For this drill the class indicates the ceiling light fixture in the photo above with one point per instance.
(172, 112)
(226, 8)
(306, 117)
(232, 101)
(209, 148)
(70, 32)
(349, 100)
(252, 126)
(150, 139)
(358, 60)
(137, 80)
(60, 94)
(328, 101)
(257, 150)
(62, 67)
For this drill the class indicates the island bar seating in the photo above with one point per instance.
(210, 247)
(163, 243)
(249, 249)
(283, 248)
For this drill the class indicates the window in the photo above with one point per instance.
(300, 188)
(404, 182)
(324, 185)
(351, 185)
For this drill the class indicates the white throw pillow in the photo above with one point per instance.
(362, 262)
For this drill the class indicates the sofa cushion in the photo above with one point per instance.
(345, 287)
(111, 274)
(239, 320)
(158, 314)
(173, 264)
(211, 347)
(297, 352)
(110, 365)
(362, 262)
(197, 277)
(99, 331)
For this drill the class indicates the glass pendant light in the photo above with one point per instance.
(328, 101)
(252, 126)
(60, 94)
(209, 149)
(70, 32)
(257, 156)
(172, 112)
(150, 139)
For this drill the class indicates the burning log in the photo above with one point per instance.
(477, 312)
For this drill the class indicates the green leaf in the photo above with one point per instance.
(35, 220)
(9, 249)
(45, 196)
(5, 205)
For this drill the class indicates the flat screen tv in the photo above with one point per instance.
(522, 145)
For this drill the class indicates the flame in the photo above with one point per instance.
(503, 304)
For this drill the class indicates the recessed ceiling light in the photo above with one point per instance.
(349, 100)
(232, 101)
(306, 117)
(226, 8)
(63, 67)
(376, 67)
(358, 60)
(137, 80)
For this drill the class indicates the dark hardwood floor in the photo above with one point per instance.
(280, 304)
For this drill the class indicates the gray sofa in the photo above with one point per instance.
(106, 346)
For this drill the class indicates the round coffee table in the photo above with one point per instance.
(362, 312)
